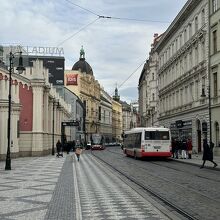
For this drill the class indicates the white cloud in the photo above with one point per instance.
(114, 48)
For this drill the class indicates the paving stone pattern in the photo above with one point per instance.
(62, 203)
(104, 196)
(50, 188)
(26, 190)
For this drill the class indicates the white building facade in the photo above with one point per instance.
(214, 25)
(148, 89)
(183, 74)
(105, 115)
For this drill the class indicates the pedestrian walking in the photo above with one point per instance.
(177, 148)
(173, 143)
(78, 152)
(59, 148)
(189, 148)
(208, 153)
(183, 148)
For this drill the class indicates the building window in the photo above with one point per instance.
(190, 30)
(181, 40)
(153, 97)
(203, 86)
(100, 113)
(214, 38)
(185, 35)
(196, 24)
(214, 5)
(203, 16)
(215, 84)
(152, 76)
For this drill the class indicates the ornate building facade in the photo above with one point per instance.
(183, 74)
(116, 118)
(148, 89)
(105, 116)
(214, 50)
(82, 82)
(34, 103)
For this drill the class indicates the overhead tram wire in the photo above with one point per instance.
(77, 32)
(130, 75)
(116, 18)
(133, 19)
(82, 8)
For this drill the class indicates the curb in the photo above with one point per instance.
(194, 164)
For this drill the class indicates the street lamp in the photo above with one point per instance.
(20, 69)
(53, 128)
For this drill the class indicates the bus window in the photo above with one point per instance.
(157, 135)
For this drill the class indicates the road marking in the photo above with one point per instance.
(76, 190)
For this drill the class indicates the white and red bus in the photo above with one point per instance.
(147, 142)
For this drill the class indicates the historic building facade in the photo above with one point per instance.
(148, 89)
(214, 50)
(183, 74)
(82, 82)
(116, 118)
(105, 116)
(129, 116)
(34, 103)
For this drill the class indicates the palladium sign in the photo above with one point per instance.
(38, 50)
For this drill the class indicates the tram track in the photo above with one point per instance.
(168, 203)
(177, 186)
(169, 167)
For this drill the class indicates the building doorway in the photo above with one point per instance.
(199, 136)
(217, 142)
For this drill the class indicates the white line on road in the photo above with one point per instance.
(76, 190)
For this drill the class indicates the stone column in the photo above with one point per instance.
(37, 141)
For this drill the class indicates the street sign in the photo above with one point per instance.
(70, 123)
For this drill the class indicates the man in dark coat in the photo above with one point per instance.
(207, 153)
(59, 148)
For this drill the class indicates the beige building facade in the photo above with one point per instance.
(116, 118)
(82, 82)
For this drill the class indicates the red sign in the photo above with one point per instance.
(71, 79)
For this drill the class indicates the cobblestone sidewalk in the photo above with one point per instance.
(26, 190)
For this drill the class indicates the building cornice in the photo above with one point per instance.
(177, 22)
(192, 73)
(199, 36)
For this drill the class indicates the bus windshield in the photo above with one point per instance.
(157, 135)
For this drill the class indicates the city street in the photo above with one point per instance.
(63, 188)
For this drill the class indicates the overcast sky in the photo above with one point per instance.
(114, 48)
